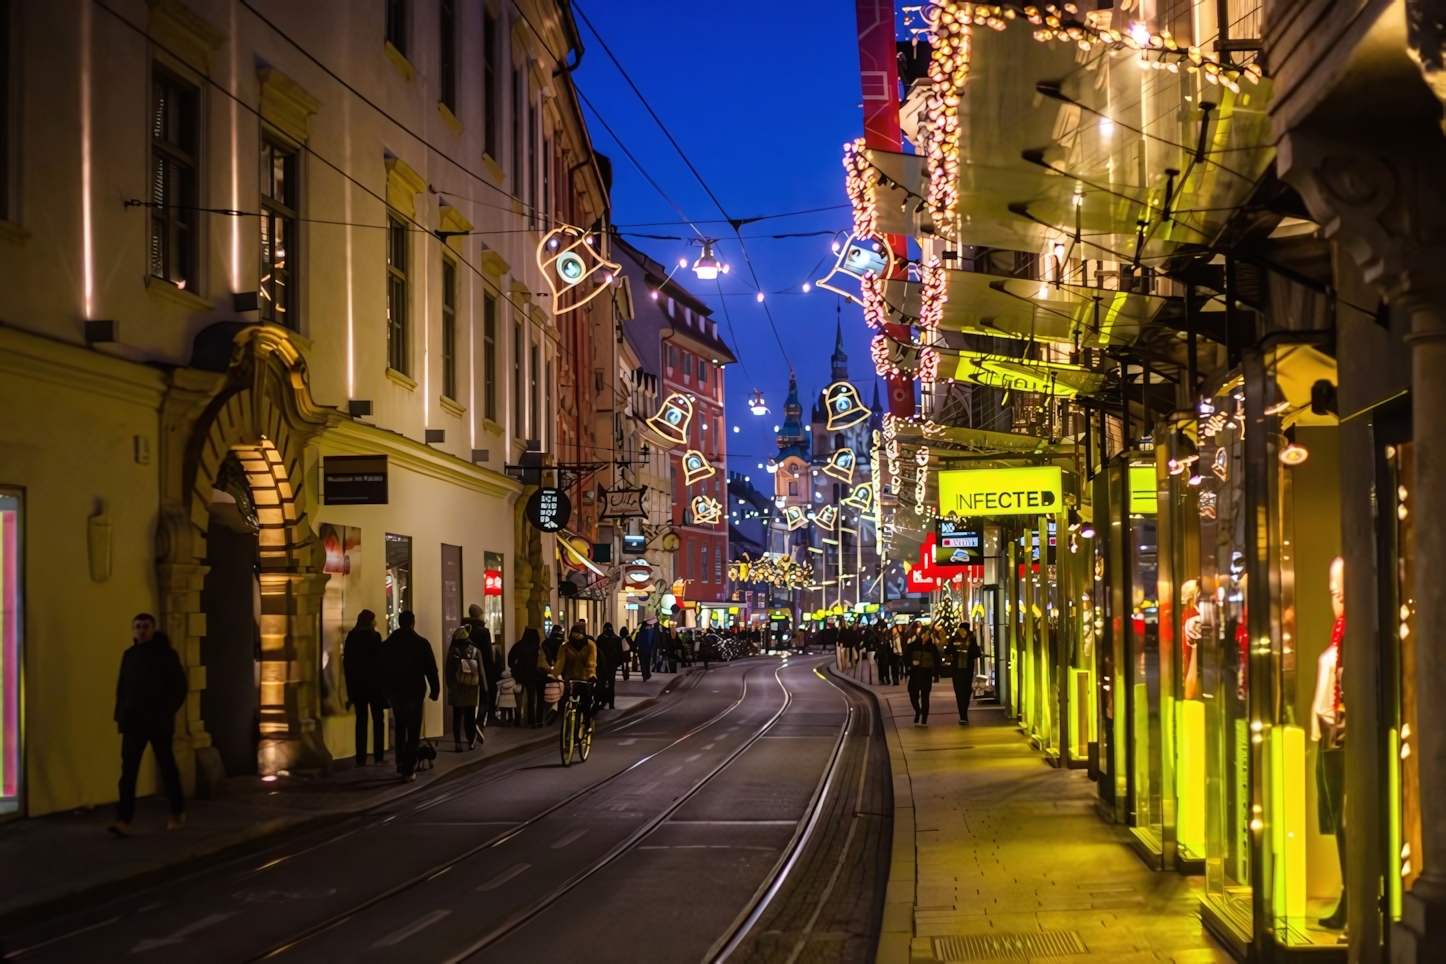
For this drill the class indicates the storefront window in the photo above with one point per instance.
(10, 629)
(341, 602)
(399, 578)
(1144, 657)
(1402, 756)
(492, 597)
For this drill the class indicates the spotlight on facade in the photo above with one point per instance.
(1293, 454)
(707, 266)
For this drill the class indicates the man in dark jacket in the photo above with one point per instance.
(609, 658)
(361, 665)
(961, 655)
(481, 637)
(922, 662)
(151, 690)
(645, 641)
(408, 667)
(522, 660)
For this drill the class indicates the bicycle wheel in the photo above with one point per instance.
(569, 731)
(584, 739)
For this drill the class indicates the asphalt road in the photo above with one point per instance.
(746, 818)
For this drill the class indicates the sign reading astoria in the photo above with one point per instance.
(1037, 490)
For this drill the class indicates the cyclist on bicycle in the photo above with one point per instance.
(576, 665)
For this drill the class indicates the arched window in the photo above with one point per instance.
(839, 441)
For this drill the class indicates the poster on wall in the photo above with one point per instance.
(341, 601)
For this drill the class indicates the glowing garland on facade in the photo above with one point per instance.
(933, 293)
(775, 570)
(896, 358)
(871, 293)
(921, 479)
(859, 185)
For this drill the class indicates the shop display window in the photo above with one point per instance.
(341, 603)
(398, 579)
(492, 599)
(1139, 547)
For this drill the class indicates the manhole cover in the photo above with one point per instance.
(1008, 947)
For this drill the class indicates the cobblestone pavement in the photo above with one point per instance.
(999, 856)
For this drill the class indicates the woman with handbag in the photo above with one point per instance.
(464, 685)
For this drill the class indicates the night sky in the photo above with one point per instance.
(762, 104)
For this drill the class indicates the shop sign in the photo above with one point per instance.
(549, 509)
(633, 543)
(1035, 490)
(492, 582)
(624, 504)
(1144, 499)
(354, 479)
(1059, 379)
(637, 575)
(959, 542)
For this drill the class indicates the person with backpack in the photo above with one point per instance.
(361, 667)
(149, 693)
(464, 687)
(409, 667)
(922, 663)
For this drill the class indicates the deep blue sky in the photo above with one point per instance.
(761, 96)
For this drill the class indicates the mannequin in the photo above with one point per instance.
(1190, 633)
(1327, 729)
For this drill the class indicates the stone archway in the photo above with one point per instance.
(259, 410)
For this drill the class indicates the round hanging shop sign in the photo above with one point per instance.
(549, 509)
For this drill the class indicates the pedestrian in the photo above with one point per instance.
(576, 663)
(547, 656)
(506, 704)
(361, 668)
(864, 668)
(966, 668)
(628, 654)
(409, 668)
(464, 687)
(609, 657)
(149, 693)
(646, 641)
(522, 661)
(921, 661)
(481, 637)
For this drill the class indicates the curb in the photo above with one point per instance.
(896, 932)
(275, 830)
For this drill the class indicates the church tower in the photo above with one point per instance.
(840, 358)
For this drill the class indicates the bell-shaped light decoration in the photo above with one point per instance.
(841, 465)
(672, 420)
(795, 518)
(696, 467)
(826, 517)
(845, 408)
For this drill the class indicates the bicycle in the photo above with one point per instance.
(576, 727)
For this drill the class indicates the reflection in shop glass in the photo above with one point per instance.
(548, 509)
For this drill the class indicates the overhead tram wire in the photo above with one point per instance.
(735, 223)
(487, 283)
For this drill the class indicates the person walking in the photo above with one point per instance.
(864, 668)
(481, 637)
(150, 691)
(646, 641)
(625, 640)
(522, 660)
(361, 667)
(966, 667)
(464, 686)
(609, 657)
(408, 667)
(921, 661)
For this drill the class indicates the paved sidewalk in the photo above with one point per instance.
(59, 856)
(996, 849)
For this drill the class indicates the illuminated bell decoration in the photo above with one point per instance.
(841, 465)
(795, 518)
(827, 517)
(695, 467)
(861, 498)
(706, 510)
(845, 409)
(673, 418)
(567, 260)
(858, 258)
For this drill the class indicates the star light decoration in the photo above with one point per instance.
(706, 510)
(775, 570)
(949, 32)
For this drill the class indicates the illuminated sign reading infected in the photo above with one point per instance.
(1038, 490)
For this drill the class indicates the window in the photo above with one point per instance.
(398, 578)
(532, 207)
(449, 328)
(547, 185)
(278, 235)
(396, 294)
(175, 130)
(489, 357)
(396, 13)
(703, 567)
(5, 214)
(491, 85)
(672, 357)
(702, 373)
(687, 366)
(517, 101)
(547, 407)
(447, 52)
(533, 422)
(793, 488)
(517, 380)
(718, 564)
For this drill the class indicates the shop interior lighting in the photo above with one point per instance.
(1087, 530)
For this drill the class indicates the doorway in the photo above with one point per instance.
(231, 648)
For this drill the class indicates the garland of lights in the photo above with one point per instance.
(871, 294)
(859, 186)
(933, 293)
(891, 357)
(921, 479)
(780, 571)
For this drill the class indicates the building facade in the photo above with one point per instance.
(265, 244)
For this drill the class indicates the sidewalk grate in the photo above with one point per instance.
(1008, 947)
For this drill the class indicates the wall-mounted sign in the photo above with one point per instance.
(1144, 498)
(638, 543)
(637, 575)
(1060, 379)
(958, 542)
(549, 509)
(354, 480)
(492, 582)
(1036, 490)
(624, 504)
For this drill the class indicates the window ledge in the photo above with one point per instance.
(163, 290)
(406, 381)
(450, 119)
(490, 426)
(400, 61)
(451, 407)
(493, 168)
(14, 233)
